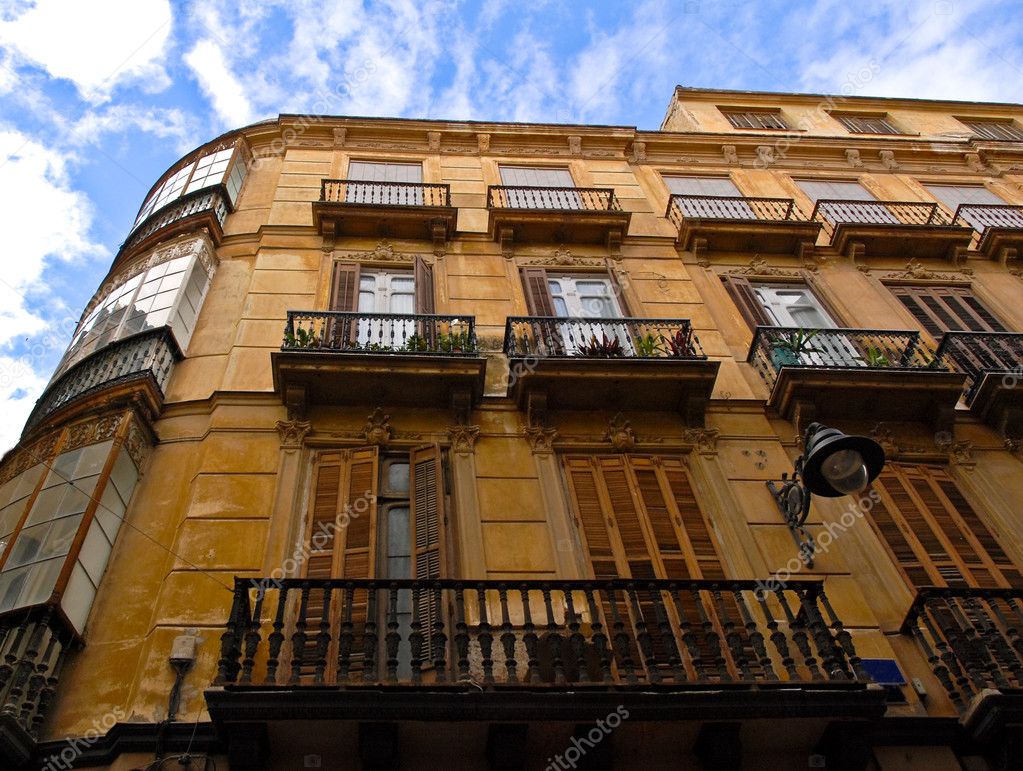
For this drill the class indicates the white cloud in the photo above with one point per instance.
(42, 219)
(97, 44)
(93, 127)
(220, 85)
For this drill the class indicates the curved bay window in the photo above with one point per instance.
(167, 293)
(60, 516)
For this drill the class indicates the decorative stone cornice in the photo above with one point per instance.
(916, 271)
(564, 257)
(758, 266)
(960, 452)
(382, 252)
(463, 438)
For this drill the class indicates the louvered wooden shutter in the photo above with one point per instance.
(538, 293)
(424, 286)
(428, 534)
(427, 512)
(934, 535)
(940, 309)
(344, 294)
(746, 300)
(341, 537)
(592, 519)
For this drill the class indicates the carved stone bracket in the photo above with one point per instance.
(293, 433)
(575, 145)
(614, 243)
(461, 404)
(536, 408)
(888, 159)
(483, 143)
(638, 152)
(339, 136)
(699, 247)
(296, 399)
(541, 440)
(730, 155)
(463, 438)
(620, 434)
(960, 452)
(852, 157)
(704, 440)
(506, 237)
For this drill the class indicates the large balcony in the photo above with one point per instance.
(971, 640)
(849, 373)
(993, 365)
(740, 224)
(468, 649)
(352, 207)
(556, 214)
(381, 358)
(139, 365)
(998, 227)
(594, 363)
(910, 229)
(207, 208)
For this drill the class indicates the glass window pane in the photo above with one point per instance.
(398, 478)
(91, 460)
(110, 512)
(124, 476)
(78, 597)
(95, 553)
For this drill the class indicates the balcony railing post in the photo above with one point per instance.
(276, 638)
(230, 639)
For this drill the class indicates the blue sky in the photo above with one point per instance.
(99, 97)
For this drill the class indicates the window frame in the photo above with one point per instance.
(860, 123)
(1010, 124)
(757, 117)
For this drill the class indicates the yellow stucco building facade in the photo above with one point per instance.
(400, 444)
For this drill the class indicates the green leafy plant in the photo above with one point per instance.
(416, 342)
(796, 341)
(451, 342)
(300, 338)
(648, 346)
(680, 344)
(605, 348)
(873, 357)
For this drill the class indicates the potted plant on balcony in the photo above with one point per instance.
(605, 348)
(787, 348)
(300, 338)
(451, 342)
(873, 357)
(647, 346)
(416, 343)
(680, 344)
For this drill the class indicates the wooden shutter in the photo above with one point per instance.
(340, 538)
(427, 512)
(424, 286)
(934, 535)
(746, 300)
(940, 309)
(344, 293)
(591, 518)
(619, 291)
(538, 293)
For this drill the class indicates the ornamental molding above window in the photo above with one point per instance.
(759, 268)
(384, 252)
(914, 270)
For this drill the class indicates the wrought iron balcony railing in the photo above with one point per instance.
(212, 200)
(834, 212)
(602, 338)
(971, 638)
(980, 353)
(980, 217)
(605, 633)
(880, 349)
(418, 334)
(371, 193)
(721, 207)
(597, 199)
(149, 354)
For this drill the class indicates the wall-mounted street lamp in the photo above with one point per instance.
(833, 464)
